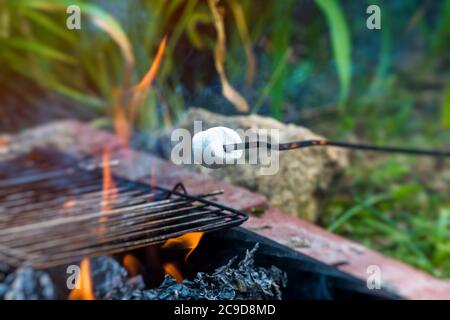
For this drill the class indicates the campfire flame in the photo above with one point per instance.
(125, 110)
(188, 241)
(121, 124)
(132, 265)
(109, 195)
(86, 286)
(129, 100)
(4, 143)
(109, 190)
(172, 270)
(69, 204)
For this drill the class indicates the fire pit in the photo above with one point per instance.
(63, 209)
(133, 235)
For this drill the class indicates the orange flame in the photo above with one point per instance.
(109, 190)
(69, 204)
(4, 142)
(86, 287)
(122, 125)
(132, 264)
(187, 241)
(109, 195)
(172, 270)
(151, 73)
(124, 116)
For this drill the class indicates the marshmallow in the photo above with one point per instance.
(208, 147)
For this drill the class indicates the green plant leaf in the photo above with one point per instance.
(76, 95)
(344, 217)
(38, 48)
(50, 25)
(446, 106)
(97, 15)
(196, 19)
(281, 35)
(111, 26)
(341, 42)
(274, 78)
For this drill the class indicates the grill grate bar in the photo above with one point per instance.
(58, 214)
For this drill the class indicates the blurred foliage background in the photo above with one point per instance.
(310, 62)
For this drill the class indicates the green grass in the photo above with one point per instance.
(341, 43)
(446, 106)
(396, 204)
(407, 221)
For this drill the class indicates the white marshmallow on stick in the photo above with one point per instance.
(208, 147)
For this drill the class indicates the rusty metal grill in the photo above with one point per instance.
(52, 211)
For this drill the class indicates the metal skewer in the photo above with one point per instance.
(317, 143)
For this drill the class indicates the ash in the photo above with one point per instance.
(27, 284)
(244, 282)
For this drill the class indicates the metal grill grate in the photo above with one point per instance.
(52, 211)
